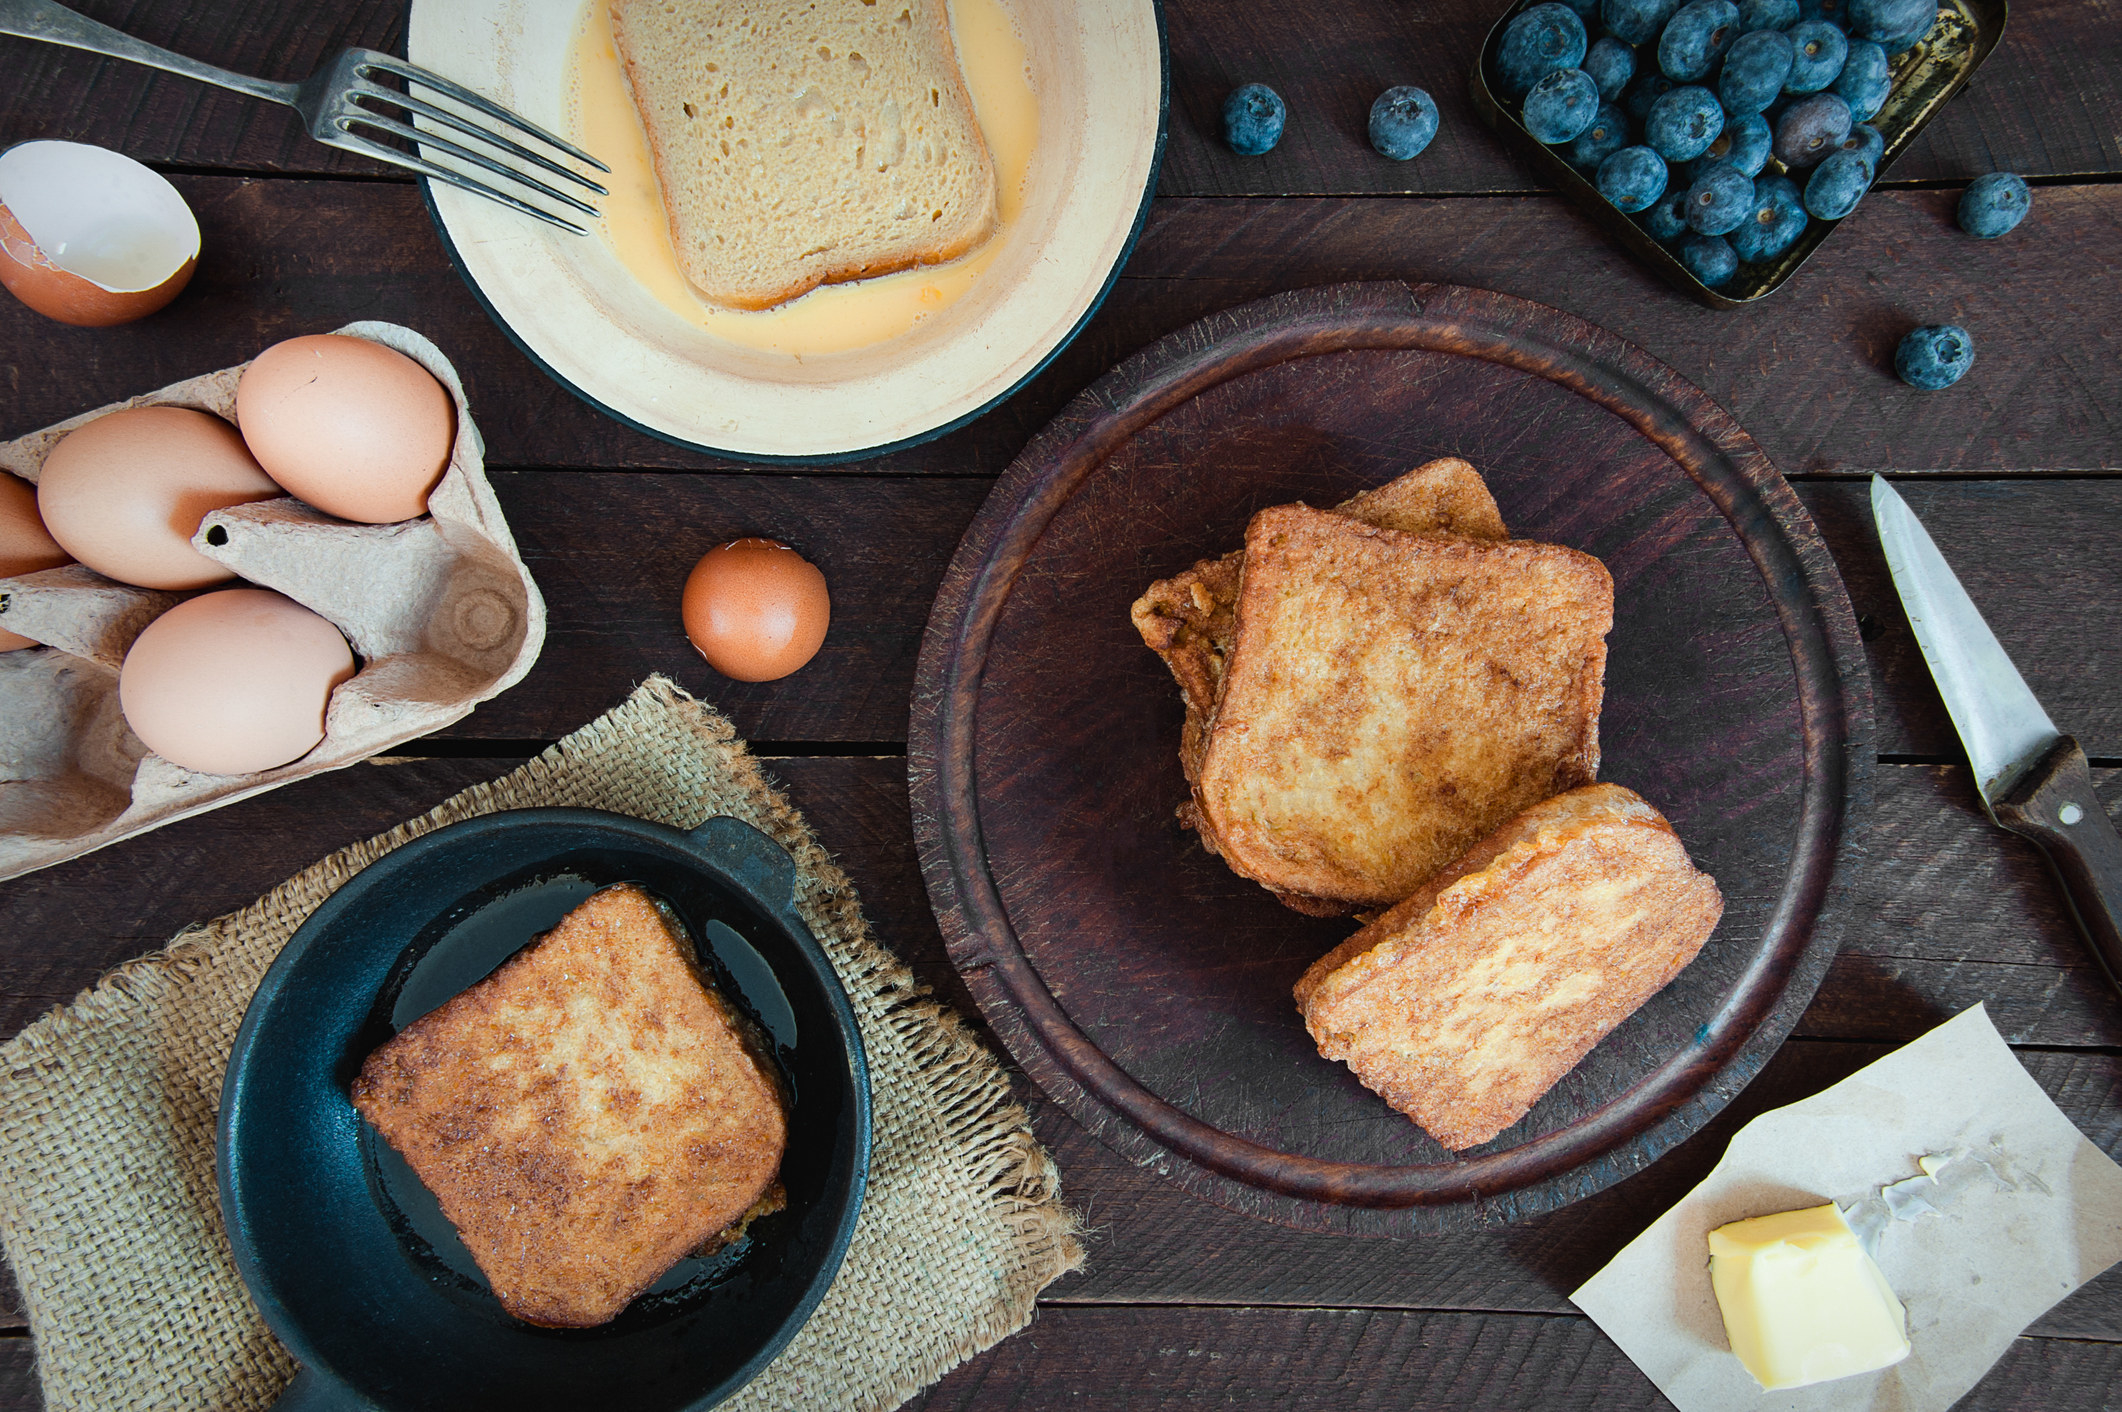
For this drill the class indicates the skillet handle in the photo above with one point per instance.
(762, 863)
(314, 1392)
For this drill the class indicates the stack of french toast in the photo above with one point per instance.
(1392, 711)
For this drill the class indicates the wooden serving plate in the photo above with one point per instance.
(1144, 985)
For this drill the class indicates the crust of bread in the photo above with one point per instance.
(587, 1115)
(1465, 1003)
(1391, 698)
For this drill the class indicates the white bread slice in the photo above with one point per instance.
(807, 142)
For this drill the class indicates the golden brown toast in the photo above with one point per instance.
(1189, 619)
(1465, 1003)
(1390, 698)
(588, 1115)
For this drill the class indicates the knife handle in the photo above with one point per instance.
(2054, 805)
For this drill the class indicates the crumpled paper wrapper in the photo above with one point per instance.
(440, 610)
(2022, 1209)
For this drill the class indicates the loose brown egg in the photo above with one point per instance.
(89, 236)
(357, 429)
(756, 609)
(232, 682)
(125, 493)
(25, 544)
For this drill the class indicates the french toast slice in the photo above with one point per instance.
(588, 1115)
(1390, 698)
(1465, 1003)
(800, 145)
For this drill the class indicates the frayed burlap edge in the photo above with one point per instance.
(108, 1209)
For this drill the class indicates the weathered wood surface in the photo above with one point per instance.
(1808, 373)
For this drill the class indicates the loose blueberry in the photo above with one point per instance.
(1811, 128)
(1884, 19)
(1696, 37)
(1821, 50)
(1632, 178)
(1683, 123)
(1636, 21)
(1935, 357)
(1402, 122)
(1252, 119)
(1719, 199)
(1709, 258)
(1774, 224)
(1666, 217)
(1535, 44)
(1646, 90)
(1864, 140)
(1755, 70)
(1611, 64)
(1865, 79)
(1993, 204)
(1767, 14)
(1607, 135)
(1561, 105)
(1837, 185)
(1744, 143)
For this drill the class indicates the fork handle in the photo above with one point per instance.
(55, 24)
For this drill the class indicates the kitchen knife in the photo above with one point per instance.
(2033, 779)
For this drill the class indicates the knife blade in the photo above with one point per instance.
(2032, 778)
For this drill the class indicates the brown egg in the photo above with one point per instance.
(756, 609)
(89, 236)
(25, 544)
(357, 429)
(125, 493)
(232, 682)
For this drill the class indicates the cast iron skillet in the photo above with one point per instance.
(347, 1256)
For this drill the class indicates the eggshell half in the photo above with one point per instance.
(26, 546)
(89, 236)
(756, 609)
(125, 493)
(356, 429)
(232, 682)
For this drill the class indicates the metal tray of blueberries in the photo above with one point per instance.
(1925, 78)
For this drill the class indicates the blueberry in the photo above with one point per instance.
(1743, 143)
(1587, 10)
(1666, 217)
(1884, 19)
(1252, 119)
(1607, 135)
(1908, 38)
(1811, 128)
(1993, 204)
(1611, 64)
(1696, 37)
(1837, 185)
(1719, 199)
(1767, 14)
(1774, 224)
(1864, 140)
(1561, 105)
(1865, 79)
(1402, 122)
(1934, 357)
(1683, 123)
(1632, 178)
(1535, 44)
(1835, 12)
(1755, 70)
(1709, 258)
(1821, 49)
(1646, 90)
(1636, 21)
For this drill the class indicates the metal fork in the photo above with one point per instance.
(339, 98)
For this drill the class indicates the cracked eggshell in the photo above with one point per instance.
(89, 236)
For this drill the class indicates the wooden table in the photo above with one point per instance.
(2018, 472)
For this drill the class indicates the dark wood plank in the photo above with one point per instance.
(1166, 1358)
(1808, 372)
(18, 1376)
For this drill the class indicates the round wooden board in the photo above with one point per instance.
(1144, 985)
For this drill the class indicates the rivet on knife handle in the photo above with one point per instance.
(2054, 805)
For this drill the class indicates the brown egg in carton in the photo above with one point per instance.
(440, 611)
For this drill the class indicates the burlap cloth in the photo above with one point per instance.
(107, 1195)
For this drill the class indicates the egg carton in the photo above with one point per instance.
(440, 611)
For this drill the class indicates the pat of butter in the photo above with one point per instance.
(1802, 1302)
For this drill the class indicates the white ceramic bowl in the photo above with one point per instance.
(1099, 72)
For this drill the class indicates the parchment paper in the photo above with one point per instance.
(2022, 1212)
